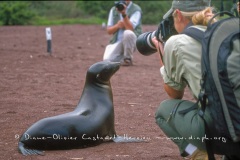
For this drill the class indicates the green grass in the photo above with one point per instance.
(46, 21)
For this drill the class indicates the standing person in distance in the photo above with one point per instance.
(124, 24)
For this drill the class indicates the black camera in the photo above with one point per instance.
(120, 5)
(165, 30)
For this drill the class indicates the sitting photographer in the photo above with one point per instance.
(124, 23)
(182, 67)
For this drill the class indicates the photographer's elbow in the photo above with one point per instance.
(111, 30)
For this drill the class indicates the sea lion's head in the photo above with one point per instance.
(102, 71)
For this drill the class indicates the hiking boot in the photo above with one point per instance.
(199, 155)
(127, 62)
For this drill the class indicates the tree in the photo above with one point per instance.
(15, 13)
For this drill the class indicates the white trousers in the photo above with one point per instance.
(121, 50)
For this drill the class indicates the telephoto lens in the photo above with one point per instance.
(145, 45)
(165, 30)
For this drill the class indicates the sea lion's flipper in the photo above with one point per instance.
(26, 151)
(123, 139)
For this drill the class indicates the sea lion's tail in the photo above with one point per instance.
(123, 139)
(26, 151)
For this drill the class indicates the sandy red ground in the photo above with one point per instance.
(35, 85)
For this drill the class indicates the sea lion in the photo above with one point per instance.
(89, 124)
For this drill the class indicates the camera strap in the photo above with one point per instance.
(160, 52)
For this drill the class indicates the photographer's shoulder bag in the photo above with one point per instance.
(220, 84)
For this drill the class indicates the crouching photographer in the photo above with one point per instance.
(181, 57)
(125, 25)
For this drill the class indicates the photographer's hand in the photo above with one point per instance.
(120, 25)
(116, 27)
(159, 47)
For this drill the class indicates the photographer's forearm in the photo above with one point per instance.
(112, 29)
(116, 27)
(172, 93)
(127, 24)
(159, 47)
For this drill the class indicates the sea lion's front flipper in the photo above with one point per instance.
(27, 151)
